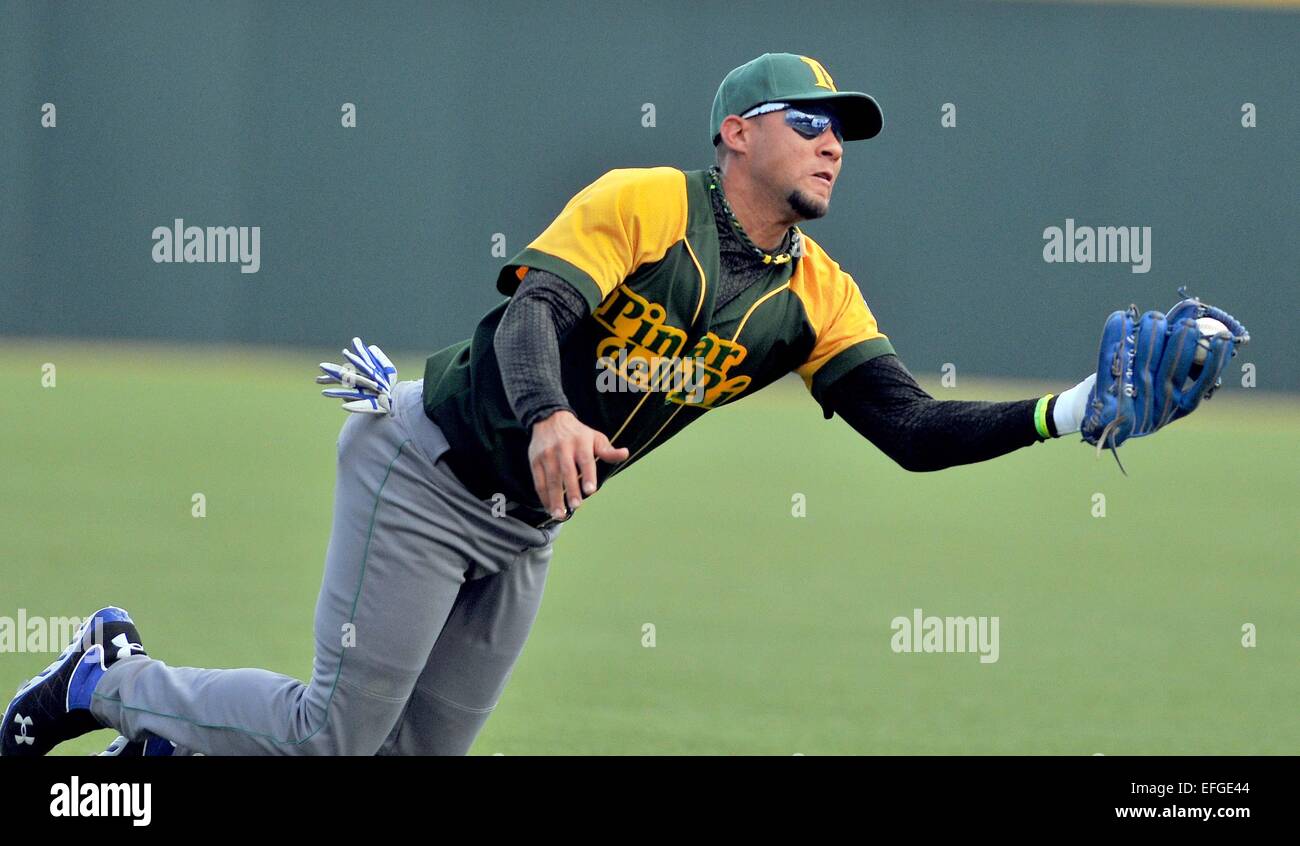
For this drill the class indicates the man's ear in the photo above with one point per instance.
(735, 133)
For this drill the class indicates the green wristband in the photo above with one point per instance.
(1040, 417)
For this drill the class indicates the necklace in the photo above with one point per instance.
(715, 184)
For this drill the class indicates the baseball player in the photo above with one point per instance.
(655, 296)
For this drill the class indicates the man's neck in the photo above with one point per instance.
(764, 226)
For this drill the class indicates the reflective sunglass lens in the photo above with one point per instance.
(810, 126)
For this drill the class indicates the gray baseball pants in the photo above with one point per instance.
(425, 604)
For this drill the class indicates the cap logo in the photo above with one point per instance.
(821, 77)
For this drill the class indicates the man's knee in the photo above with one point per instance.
(434, 725)
(352, 721)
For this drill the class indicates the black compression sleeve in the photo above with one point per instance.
(540, 316)
(880, 399)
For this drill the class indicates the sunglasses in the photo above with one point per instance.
(809, 124)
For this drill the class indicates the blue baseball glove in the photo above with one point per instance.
(1147, 376)
(367, 378)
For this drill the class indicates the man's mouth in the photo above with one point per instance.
(823, 174)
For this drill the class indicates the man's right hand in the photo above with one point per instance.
(561, 452)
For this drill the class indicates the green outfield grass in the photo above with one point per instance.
(1118, 635)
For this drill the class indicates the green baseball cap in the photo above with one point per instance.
(788, 78)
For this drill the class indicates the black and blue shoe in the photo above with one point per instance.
(151, 747)
(55, 706)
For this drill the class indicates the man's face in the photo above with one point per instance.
(796, 170)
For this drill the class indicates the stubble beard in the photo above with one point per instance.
(808, 208)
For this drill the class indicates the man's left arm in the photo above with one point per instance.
(881, 400)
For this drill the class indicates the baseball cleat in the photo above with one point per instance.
(153, 747)
(55, 705)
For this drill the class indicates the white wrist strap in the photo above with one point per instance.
(1071, 405)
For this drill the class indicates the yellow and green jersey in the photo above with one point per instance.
(653, 354)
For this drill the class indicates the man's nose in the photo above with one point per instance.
(832, 147)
